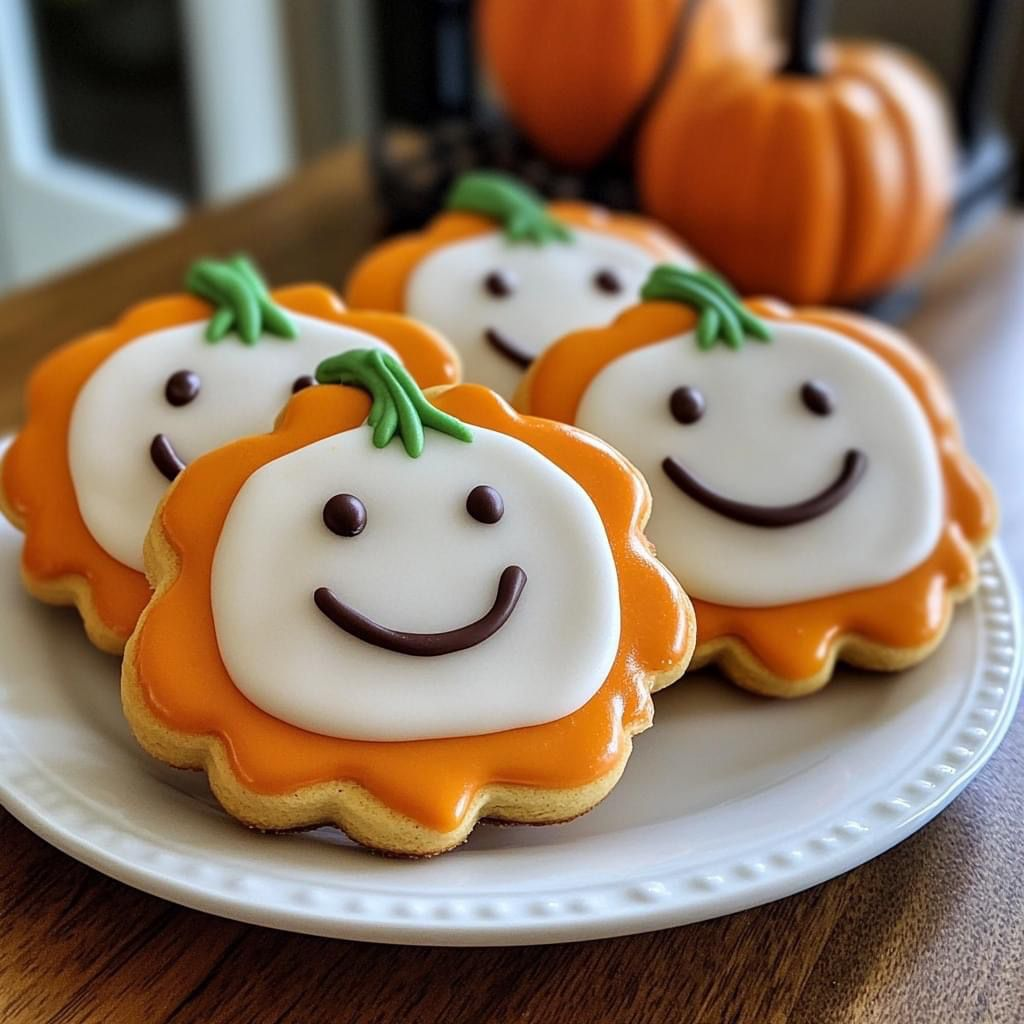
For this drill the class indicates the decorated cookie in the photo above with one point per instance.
(114, 416)
(811, 488)
(401, 638)
(502, 276)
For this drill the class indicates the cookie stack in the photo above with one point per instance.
(358, 592)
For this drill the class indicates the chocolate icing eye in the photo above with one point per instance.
(345, 515)
(301, 383)
(500, 284)
(686, 404)
(485, 504)
(607, 281)
(181, 387)
(818, 397)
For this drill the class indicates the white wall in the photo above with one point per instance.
(56, 212)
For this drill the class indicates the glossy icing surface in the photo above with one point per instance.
(36, 472)
(421, 564)
(123, 406)
(758, 442)
(184, 681)
(796, 641)
(549, 290)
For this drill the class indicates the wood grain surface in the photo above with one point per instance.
(932, 931)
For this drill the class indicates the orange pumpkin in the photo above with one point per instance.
(554, 60)
(827, 180)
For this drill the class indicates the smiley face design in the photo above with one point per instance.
(157, 404)
(502, 277)
(116, 416)
(473, 588)
(756, 459)
(402, 639)
(502, 303)
(810, 486)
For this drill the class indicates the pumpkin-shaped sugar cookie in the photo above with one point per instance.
(501, 275)
(400, 639)
(113, 417)
(811, 489)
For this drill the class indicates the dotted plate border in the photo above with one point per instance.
(97, 835)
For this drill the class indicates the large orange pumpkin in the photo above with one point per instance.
(572, 73)
(825, 181)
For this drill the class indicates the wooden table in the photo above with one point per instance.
(932, 931)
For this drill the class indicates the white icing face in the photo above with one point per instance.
(124, 405)
(759, 442)
(551, 289)
(421, 564)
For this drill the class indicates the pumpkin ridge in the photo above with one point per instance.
(834, 143)
(689, 121)
(804, 118)
(846, 199)
(764, 117)
(870, 140)
(899, 244)
(875, 65)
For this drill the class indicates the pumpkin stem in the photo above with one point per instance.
(399, 406)
(806, 31)
(722, 317)
(242, 301)
(519, 210)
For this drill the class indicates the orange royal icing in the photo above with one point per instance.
(36, 473)
(794, 641)
(379, 279)
(187, 687)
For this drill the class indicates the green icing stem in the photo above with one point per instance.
(410, 427)
(707, 328)
(754, 326)
(241, 300)
(220, 323)
(397, 403)
(275, 320)
(518, 209)
(721, 315)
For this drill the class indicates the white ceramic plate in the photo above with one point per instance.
(729, 802)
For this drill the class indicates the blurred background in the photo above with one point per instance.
(118, 116)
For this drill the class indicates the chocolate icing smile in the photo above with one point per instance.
(855, 463)
(427, 645)
(164, 457)
(510, 349)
